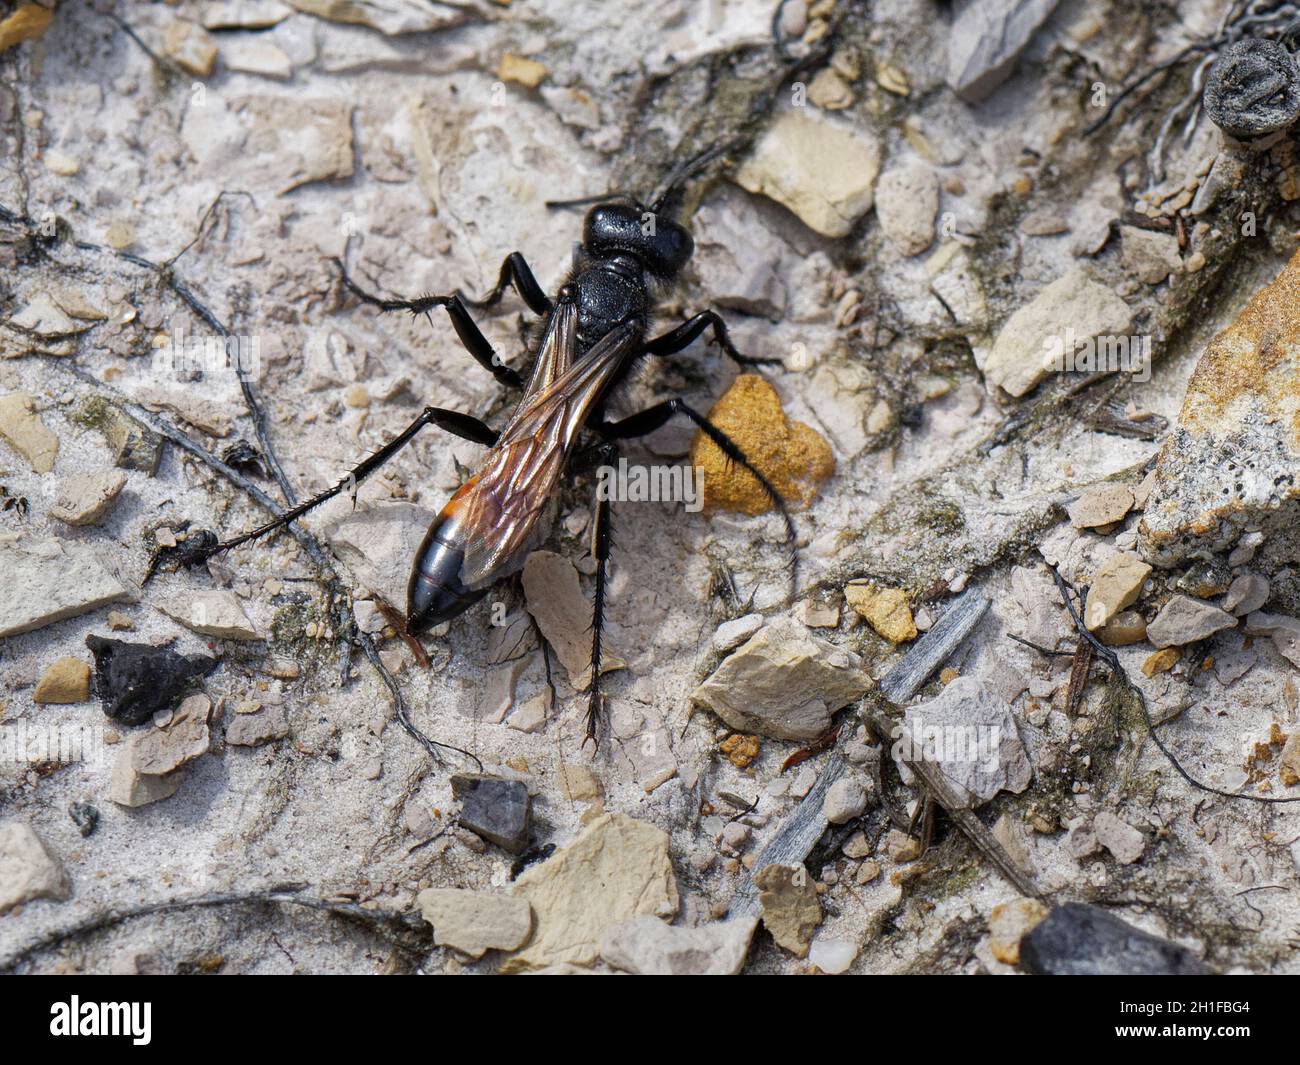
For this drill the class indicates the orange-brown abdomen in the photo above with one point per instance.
(436, 593)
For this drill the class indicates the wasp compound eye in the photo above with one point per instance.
(1253, 89)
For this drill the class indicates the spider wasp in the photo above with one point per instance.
(595, 331)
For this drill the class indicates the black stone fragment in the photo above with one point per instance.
(1080, 940)
(1253, 88)
(498, 810)
(84, 816)
(135, 680)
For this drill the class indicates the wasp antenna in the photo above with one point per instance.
(687, 169)
(587, 201)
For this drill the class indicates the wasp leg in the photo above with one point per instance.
(515, 271)
(678, 339)
(650, 419)
(601, 541)
(470, 335)
(463, 425)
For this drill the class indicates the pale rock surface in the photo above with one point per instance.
(1124, 841)
(790, 907)
(1229, 464)
(819, 170)
(212, 612)
(783, 682)
(474, 922)
(907, 199)
(986, 38)
(1021, 356)
(1116, 584)
(49, 580)
(86, 498)
(27, 869)
(629, 861)
(972, 733)
(647, 946)
(1185, 620)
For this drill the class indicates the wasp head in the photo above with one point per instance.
(659, 243)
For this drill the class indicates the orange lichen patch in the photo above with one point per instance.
(1257, 355)
(30, 20)
(793, 456)
(740, 750)
(1263, 752)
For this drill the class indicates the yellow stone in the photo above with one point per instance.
(521, 70)
(578, 783)
(1289, 767)
(892, 79)
(885, 609)
(792, 456)
(191, 47)
(66, 681)
(1009, 923)
(740, 750)
(22, 429)
(119, 236)
(27, 22)
(1229, 464)
(1161, 661)
(1125, 628)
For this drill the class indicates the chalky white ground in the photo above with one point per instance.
(342, 802)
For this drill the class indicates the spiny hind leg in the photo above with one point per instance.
(465, 426)
(601, 543)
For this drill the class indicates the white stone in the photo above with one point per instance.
(46, 581)
(971, 732)
(647, 946)
(845, 800)
(1072, 305)
(1124, 841)
(617, 869)
(214, 612)
(731, 634)
(822, 171)
(475, 922)
(27, 870)
(832, 956)
(907, 199)
(783, 682)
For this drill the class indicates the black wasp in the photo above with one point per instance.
(594, 333)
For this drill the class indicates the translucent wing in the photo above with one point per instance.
(502, 504)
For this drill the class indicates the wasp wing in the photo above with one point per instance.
(505, 500)
(555, 353)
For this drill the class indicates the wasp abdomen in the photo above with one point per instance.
(436, 593)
